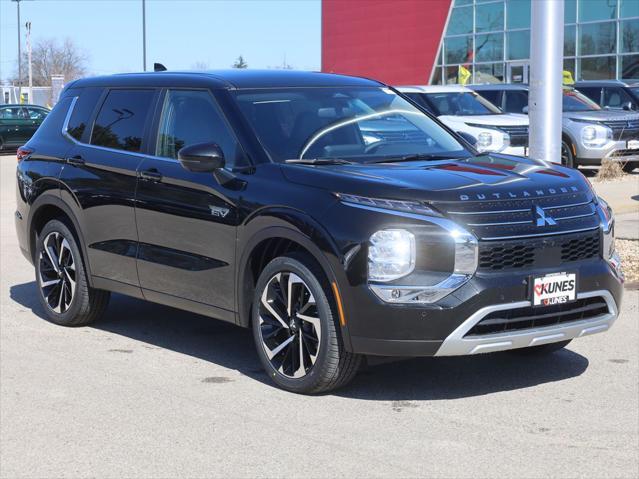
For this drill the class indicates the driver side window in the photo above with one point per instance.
(192, 116)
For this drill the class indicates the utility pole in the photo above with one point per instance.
(28, 26)
(546, 65)
(19, 54)
(144, 35)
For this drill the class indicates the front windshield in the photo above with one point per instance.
(354, 124)
(575, 101)
(461, 104)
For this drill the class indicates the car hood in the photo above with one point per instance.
(506, 119)
(601, 115)
(498, 177)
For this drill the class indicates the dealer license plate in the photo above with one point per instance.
(557, 288)
(633, 144)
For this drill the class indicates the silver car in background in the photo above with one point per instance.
(590, 133)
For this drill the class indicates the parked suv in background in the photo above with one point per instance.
(252, 197)
(465, 111)
(590, 133)
(612, 94)
(18, 123)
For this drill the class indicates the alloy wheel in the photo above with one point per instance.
(57, 272)
(290, 326)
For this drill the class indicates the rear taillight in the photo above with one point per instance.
(23, 152)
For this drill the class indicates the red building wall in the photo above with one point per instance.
(395, 41)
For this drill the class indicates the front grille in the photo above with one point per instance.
(538, 253)
(518, 134)
(539, 316)
(633, 154)
(623, 129)
(492, 219)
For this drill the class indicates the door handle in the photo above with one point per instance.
(151, 175)
(76, 160)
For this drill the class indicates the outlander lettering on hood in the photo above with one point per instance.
(519, 194)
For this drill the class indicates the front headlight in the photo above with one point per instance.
(593, 136)
(490, 139)
(391, 254)
(609, 250)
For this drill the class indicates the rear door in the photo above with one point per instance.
(100, 175)
(187, 221)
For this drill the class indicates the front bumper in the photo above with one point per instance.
(378, 328)
(614, 150)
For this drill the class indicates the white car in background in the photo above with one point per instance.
(464, 111)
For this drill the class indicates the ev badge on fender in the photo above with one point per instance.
(219, 212)
(542, 218)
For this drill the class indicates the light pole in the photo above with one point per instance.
(144, 35)
(19, 54)
(28, 26)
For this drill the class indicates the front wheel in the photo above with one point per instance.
(295, 330)
(567, 156)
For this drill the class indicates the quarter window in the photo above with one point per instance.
(190, 117)
(121, 121)
(84, 107)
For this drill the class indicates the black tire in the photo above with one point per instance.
(541, 349)
(630, 166)
(85, 304)
(333, 366)
(567, 157)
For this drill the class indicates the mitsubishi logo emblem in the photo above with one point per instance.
(542, 219)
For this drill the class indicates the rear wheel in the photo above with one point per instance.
(63, 288)
(541, 349)
(567, 156)
(295, 328)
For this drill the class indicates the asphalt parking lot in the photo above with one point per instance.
(154, 392)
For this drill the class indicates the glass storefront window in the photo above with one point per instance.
(629, 8)
(458, 49)
(597, 68)
(463, 2)
(629, 35)
(590, 11)
(489, 17)
(569, 41)
(518, 44)
(569, 71)
(629, 67)
(518, 14)
(461, 21)
(490, 47)
(570, 11)
(489, 73)
(597, 38)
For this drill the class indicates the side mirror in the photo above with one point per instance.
(201, 157)
(468, 138)
(525, 110)
(627, 106)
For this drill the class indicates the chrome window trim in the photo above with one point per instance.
(457, 345)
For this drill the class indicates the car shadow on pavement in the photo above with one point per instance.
(221, 343)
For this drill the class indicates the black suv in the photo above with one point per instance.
(328, 213)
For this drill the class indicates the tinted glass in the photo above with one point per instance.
(590, 10)
(518, 14)
(492, 96)
(629, 35)
(84, 107)
(594, 93)
(462, 103)
(615, 98)
(575, 101)
(570, 33)
(358, 124)
(629, 8)
(489, 47)
(420, 99)
(518, 44)
(122, 118)
(570, 11)
(13, 113)
(461, 21)
(489, 73)
(516, 101)
(597, 38)
(190, 117)
(458, 49)
(629, 66)
(490, 17)
(598, 68)
(37, 113)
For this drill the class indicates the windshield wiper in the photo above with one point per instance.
(417, 157)
(320, 161)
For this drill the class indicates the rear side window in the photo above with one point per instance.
(122, 118)
(492, 96)
(13, 113)
(37, 113)
(516, 101)
(82, 111)
(190, 117)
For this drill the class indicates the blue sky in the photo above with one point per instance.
(180, 33)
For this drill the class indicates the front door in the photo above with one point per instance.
(518, 72)
(187, 220)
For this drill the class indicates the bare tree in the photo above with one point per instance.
(50, 57)
(240, 63)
